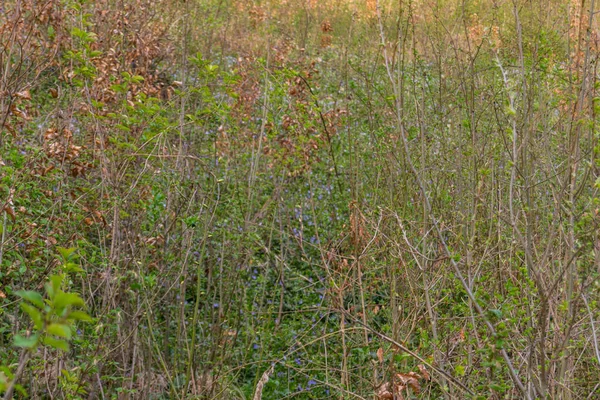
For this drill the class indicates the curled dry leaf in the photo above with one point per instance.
(380, 354)
(23, 95)
(383, 392)
(11, 212)
(424, 372)
(19, 113)
(411, 379)
(398, 389)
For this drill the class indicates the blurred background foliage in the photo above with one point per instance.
(297, 199)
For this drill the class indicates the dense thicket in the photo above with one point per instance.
(299, 199)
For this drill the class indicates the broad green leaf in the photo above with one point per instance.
(53, 286)
(59, 330)
(66, 253)
(19, 388)
(34, 314)
(26, 342)
(62, 300)
(31, 296)
(56, 343)
(6, 371)
(72, 267)
(79, 316)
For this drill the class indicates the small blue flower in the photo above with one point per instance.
(310, 383)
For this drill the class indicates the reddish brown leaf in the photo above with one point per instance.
(380, 354)
(424, 372)
(398, 389)
(9, 210)
(383, 392)
(23, 95)
(411, 379)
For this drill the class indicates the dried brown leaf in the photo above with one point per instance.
(23, 95)
(380, 354)
(411, 379)
(383, 392)
(10, 211)
(424, 372)
(398, 389)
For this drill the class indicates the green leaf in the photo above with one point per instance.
(123, 127)
(53, 286)
(79, 316)
(26, 342)
(66, 253)
(496, 387)
(62, 300)
(59, 330)
(34, 314)
(6, 371)
(72, 267)
(31, 296)
(19, 388)
(56, 343)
